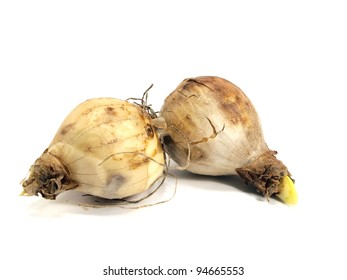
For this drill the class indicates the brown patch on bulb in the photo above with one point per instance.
(233, 111)
(137, 161)
(230, 98)
(111, 111)
(196, 154)
(66, 128)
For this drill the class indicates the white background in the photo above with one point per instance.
(289, 57)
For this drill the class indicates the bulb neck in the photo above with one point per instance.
(48, 176)
(266, 172)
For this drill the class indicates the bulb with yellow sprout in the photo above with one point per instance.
(213, 129)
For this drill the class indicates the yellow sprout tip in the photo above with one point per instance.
(288, 192)
(24, 193)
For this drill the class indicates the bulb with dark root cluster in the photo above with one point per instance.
(105, 147)
(213, 129)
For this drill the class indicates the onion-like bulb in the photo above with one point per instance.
(105, 147)
(213, 129)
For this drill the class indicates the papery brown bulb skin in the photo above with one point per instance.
(218, 123)
(213, 129)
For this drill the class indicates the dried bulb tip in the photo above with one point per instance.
(48, 177)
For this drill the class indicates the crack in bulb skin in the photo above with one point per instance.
(212, 128)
